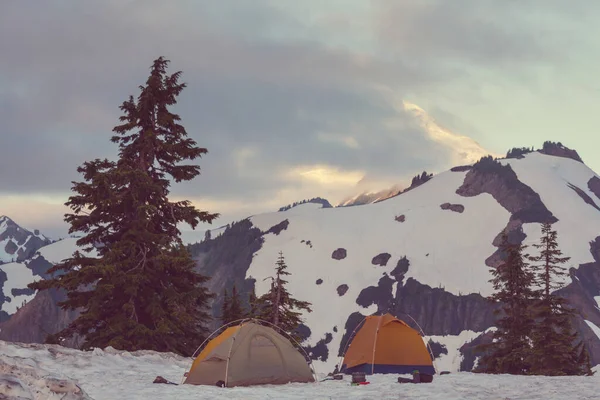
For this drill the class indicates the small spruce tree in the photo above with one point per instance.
(512, 281)
(278, 307)
(555, 351)
(142, 292)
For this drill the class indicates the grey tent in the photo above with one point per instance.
(249, 354)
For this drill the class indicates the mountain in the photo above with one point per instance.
(16, 243)
(424, 254)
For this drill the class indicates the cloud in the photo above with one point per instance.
(292, 100)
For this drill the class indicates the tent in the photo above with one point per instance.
(384, 345)
(249, 354)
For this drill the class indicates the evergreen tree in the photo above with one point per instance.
(225, 318)
(253, 309)
(512, 280)
(142, 291)
(554, 349)
(232, 309)
(278, 307)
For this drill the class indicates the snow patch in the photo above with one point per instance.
(453, 343)
(19, 276)
(63, 249)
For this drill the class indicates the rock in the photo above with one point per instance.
(319, 281)
(584, 196)
(401, 269)
(381, 259)
(594, 185)
(461, 168)
(400, 218)
(557, 149)
(459, 208)
(342, 289)
(339, 254)
(276, 229)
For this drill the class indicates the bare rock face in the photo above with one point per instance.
(558, 150)
(594, 186)
(215, 258)
(461, 168)
(584, 196)
(339, 254)
(41, 316)
(489, 176)
(319, 281)
(276, 229)
(400, 218)
(401, 269)
(459, 208)
(342, 289)
(381, 259)
(524, 204)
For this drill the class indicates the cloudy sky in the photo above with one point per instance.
(293, 99)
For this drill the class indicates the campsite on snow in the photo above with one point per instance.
(333, 240)
(431, 287)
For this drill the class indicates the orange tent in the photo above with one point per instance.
(384, 345)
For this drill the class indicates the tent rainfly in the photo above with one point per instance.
(249, 354)
(383, 345)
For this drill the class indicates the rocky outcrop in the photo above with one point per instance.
(594, 185)
(38, 318)
(461, 168)
(342, 289)
(381, 259)
(319, 281)
(500, 181)
(276, 229)
(317, 200)
(584, 196)
(339, 254)
(518, 152)
(459, 208)
(400, 218)
(226, 260)
(580, 293)
(557, 149)
(320, 351)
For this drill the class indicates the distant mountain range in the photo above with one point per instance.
(422, 253)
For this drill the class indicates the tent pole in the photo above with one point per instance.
(375, 345)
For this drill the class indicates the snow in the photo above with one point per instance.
(444, 248)
(597, 298)
(453, 343)
(111, 374)
(19, 276)
(578, 223)
(63, 249)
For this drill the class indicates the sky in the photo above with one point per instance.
(293, 99)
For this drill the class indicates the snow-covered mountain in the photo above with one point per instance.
(423, 255)
(17, 243)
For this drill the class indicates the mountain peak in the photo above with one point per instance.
(18, 243)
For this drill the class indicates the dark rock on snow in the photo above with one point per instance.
(381, 259)
(342, 289)
(339, 254)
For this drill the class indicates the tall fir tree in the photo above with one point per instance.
(554, 349)
(512, 281)
(278, 307)
(142, 291)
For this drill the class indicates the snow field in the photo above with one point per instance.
(111, 374)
